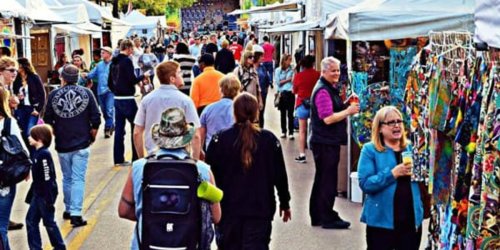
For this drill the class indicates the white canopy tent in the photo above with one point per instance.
(487, 20)
(316, 16)
(10, 9)
(396, 19)
(288, 6)
(141, 23)
(39, 11)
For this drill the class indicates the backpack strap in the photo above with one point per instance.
(6, 127)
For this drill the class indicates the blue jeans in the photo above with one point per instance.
(106, 101)
(74, 167)
(25, 119)
(125, 111)
(5, 208)
(270, 69)
(41, 210)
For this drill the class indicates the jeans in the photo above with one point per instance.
(6, 201)
(324, 190)
(287, 102)
(125, 111)
(269, 68)
(244, 234)
(41, 210)
(25, 119)
(106, 101)
(388, 239)
(74, 167)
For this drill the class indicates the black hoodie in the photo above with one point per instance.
(122, 78)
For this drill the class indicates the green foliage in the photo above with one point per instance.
(266, 2)
(155, 7)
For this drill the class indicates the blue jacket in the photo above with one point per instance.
(101, 70)
(379, 185)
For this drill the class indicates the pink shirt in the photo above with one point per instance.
(268, 52)
(323, 103)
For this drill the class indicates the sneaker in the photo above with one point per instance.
(66, 216)
(336, 224)
(107, 133)
(291, 137)
(77, 221)
(15, 225)
(123, 164)
(283, 136)
(111, 130)
(300, 159)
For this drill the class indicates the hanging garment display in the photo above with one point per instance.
(452, 97)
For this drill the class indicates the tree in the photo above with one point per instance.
(152, 7)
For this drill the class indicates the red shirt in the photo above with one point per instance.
(268, 52)
(236, 49)
(303, 84)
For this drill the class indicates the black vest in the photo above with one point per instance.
(333, 134)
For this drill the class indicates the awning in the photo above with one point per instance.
(290, 28)
(487, 22)
(13, 36)
(271, 26)
(72, 28)
(38, 11)
(293, 6)
(10, 9)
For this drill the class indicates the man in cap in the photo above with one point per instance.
(236, 48)
(73, 113)
(166, 96)
(195, 49)
(104, 95)
(205, 89)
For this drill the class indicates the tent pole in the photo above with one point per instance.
(349, 129)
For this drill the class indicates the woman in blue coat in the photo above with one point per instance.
(393, 210)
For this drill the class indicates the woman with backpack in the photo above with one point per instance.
(7, 193)
(173, 135)
(248, 164)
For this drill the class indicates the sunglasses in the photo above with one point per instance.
(250, 57)
(11, 70)
(392, 123)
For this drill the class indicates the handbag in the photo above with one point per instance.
(15, 163)
(307, 103)
(277, 98)
(426, 199)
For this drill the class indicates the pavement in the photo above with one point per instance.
(105, 230)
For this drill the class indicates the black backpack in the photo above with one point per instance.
(15, 163)
(171, 210)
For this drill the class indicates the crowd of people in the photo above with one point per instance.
(212, 92)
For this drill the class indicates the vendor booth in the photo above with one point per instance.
(421, 57)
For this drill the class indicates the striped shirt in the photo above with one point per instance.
(186, 62)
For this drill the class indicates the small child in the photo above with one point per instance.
(43, 191)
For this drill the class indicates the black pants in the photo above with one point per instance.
(287, 103)
(244, 234)
(387, 239)
(324, 190)
(200, 110)
(261, 112)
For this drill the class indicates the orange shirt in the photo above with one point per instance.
(205, 89)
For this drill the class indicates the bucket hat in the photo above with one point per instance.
(173, 131)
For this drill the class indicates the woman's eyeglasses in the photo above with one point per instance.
(11, 70)
(392, 123)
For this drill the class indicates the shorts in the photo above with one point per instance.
(302, 113)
